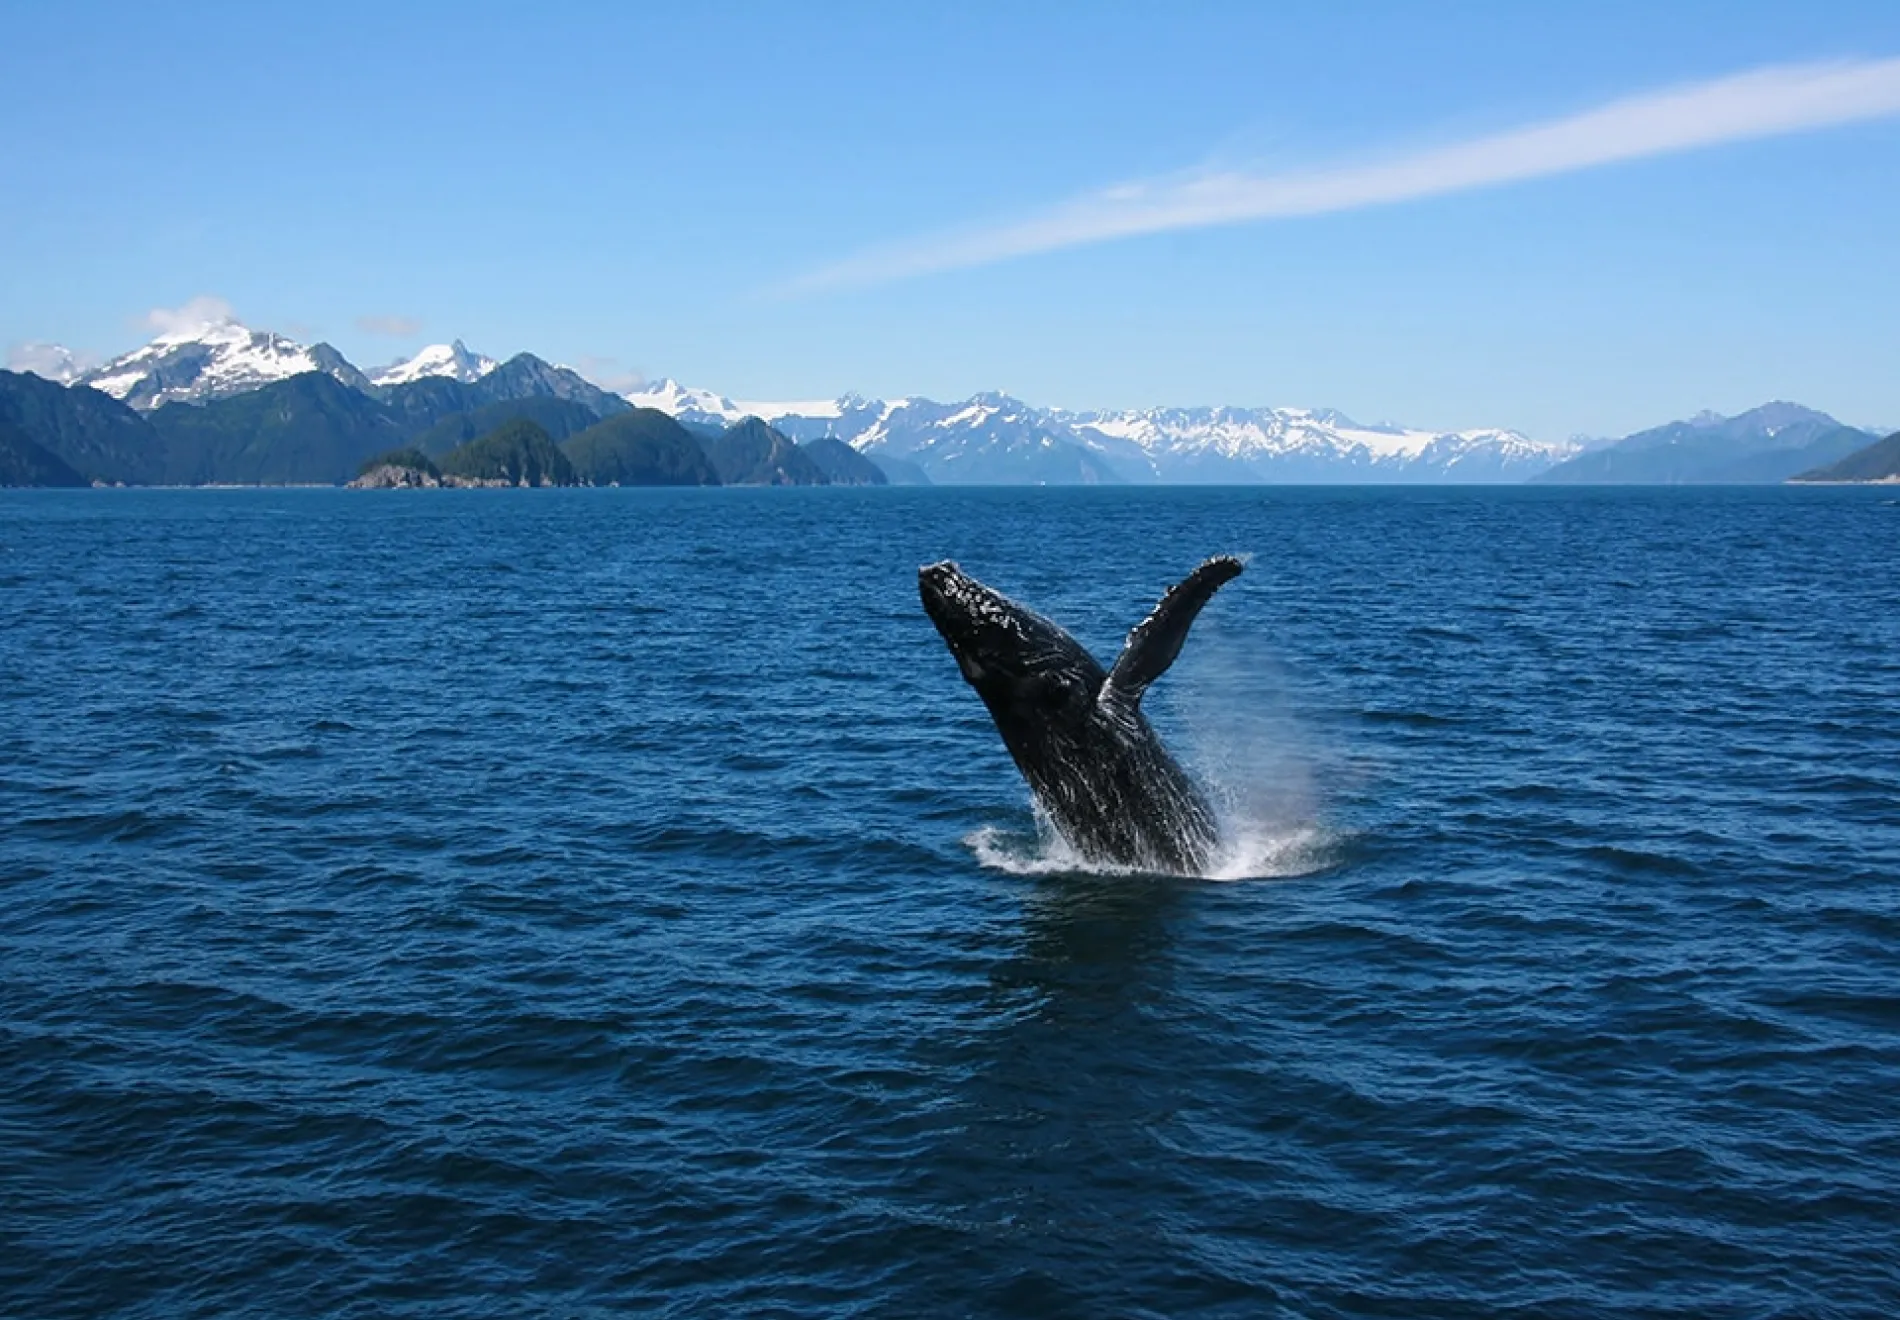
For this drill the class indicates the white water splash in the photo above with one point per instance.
(1042, 853)
(1245, 853)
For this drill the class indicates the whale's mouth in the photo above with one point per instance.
(979, 624)
(941, 579)
(951, 599)
(953, 596)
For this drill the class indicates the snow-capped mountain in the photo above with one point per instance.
(994, 438)
(211, 361)
(452, 360)
(222, 357)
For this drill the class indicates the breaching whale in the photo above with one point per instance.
(1075, 730)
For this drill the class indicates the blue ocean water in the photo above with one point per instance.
(501, 903)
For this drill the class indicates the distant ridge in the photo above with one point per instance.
(1763, 445)
(1879, 461)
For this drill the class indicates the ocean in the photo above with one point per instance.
(606, 902)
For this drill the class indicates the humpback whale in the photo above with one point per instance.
(1075, 730)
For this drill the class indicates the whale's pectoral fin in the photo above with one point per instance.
(1157, 639)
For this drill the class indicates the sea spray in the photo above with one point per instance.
(1236, 722)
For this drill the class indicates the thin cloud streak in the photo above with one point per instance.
(392, 327)
(1762, 103)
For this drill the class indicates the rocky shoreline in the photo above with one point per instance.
(390, 476)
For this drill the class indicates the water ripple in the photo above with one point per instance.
(592, 902)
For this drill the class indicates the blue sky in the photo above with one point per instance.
(758, 199)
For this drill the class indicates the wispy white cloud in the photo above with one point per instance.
(204, 310)
(1761, 103)
(395, 327)
(610, 374)
(50, 361)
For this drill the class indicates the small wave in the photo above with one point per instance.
(127, 826)
(1415, 718)
(1637, 861)
(1439, 632)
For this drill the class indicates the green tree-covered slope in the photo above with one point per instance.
(92, 433)
(643, 447)
(516, 453)
(309, 429)
(750, 453)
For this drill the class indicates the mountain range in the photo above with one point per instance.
(993, 438)
(184, 385)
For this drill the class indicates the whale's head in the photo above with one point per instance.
(1006, 652)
